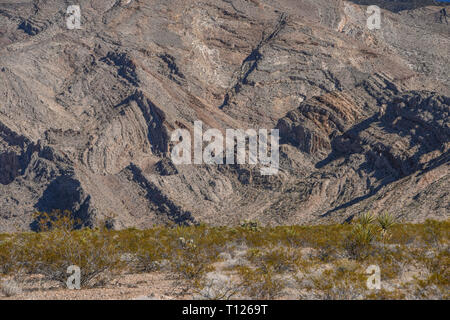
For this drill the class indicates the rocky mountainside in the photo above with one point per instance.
(86, 114)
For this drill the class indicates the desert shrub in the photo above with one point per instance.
(291, 236)
(217, 286)
(430, 233)
(190, 261)
(143, 250)
(327, 252)
(278, 259)
(385, 221)
(439, 270)
(366, 219)
(148, 256)
(17, 253)
(58, 246)
(365, 231)
(94, 252)
(363, 234)
(433, 233)
(322, 236)
(55, 220)
(10, 288)
(269, 254)
(344, 280)
(260, 283)
(7, 262)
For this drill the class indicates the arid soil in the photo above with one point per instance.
(157, 286)
(316, 283)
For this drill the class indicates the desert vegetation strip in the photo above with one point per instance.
(246, 261)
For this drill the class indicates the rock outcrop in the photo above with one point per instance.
(86, 114)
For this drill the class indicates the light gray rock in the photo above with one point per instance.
(86, 115)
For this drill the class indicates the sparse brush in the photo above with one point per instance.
(264, 260)
(260, 283)
(250, 225)
(56, 220)
(217, 286)
(191, 262)
(432, 233)
(51, 252)
(10, 288)
(148, 256)
(95, 253)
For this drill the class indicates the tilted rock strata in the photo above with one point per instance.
(86, 115)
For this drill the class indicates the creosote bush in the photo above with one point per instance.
(260, 283)
(59, 246)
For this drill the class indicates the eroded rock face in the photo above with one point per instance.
(86, 115)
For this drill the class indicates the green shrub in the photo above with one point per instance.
(260, 283)
(386, 221)
(52, 251)
(361, 237)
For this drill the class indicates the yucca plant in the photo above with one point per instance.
(366, 219)
(291, 236)
(385, 221)
(364, 234)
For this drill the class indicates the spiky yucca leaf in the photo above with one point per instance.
(366, 219)
(386, 221)
(364, 234)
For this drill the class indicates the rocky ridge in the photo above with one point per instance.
(86, 115)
